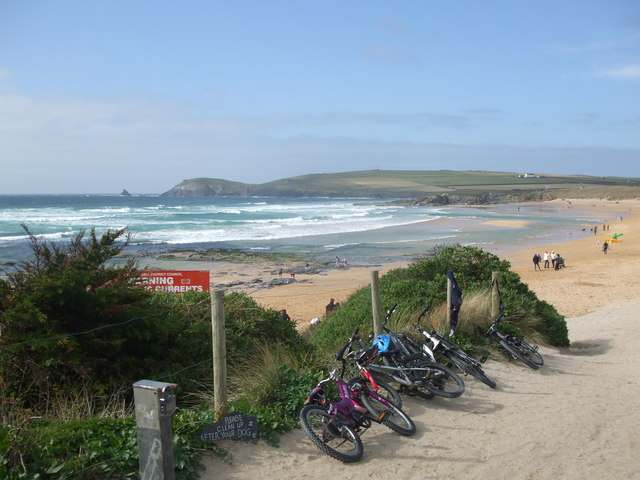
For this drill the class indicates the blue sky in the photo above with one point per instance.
(100, 96)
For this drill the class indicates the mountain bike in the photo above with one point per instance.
(438, 344)
(335, 426)
(414, 371)
(518, 348)
(378, 396)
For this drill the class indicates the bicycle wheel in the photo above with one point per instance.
(385, 390)
(394, 418)
(471, 368)
(441, 381)
(337, 441)
(533, 353)
(517, 353)
(389, 393)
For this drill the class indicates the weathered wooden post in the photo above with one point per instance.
(155, 402)
(449, 299)
(375, 302)
(495, 295)
(219, 352)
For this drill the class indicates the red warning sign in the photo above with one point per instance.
(176, 281)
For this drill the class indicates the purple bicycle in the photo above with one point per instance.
(335, 426)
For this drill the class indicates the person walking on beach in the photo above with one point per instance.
(553, 259)
(546, 259)
(536, 261)
(605, 247)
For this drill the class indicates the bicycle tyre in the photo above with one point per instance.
(389, 393)
(441, 380)
(470, 368)
(338, 441)
(533, 353)
(411, 386)
(517, 353)
(386, 391)
(395, 419)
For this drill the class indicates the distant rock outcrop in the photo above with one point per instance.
(208, 187)
(124, 193)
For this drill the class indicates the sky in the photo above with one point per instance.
(97, 97)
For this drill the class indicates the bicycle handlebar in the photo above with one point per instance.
(347, 345)
(390, 312)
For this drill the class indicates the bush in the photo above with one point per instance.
(424, 282)
(95, 448)
(68, 316)
(188, 351)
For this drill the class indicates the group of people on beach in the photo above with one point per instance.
(551, 260)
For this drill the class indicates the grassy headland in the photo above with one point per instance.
(439, 186)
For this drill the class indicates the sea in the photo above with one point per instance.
(363, 231)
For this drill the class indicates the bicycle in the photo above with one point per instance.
(378, 396)
(415, 372)
(439, 344)
(335, 426)
(518, 348)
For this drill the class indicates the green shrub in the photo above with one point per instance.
(95, 448)
(424, 282)
(69, 316)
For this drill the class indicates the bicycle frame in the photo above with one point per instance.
(400, 373)
(494, 332)
(512, 339)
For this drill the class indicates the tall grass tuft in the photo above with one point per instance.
(76, 402)
(473, 320)
(259, 376)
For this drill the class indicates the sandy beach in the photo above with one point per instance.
(567, 420)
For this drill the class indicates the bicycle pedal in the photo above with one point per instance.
(483, 358)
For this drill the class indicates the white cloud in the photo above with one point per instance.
(628, 72)
(76, 145)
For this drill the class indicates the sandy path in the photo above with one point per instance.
(558, 422)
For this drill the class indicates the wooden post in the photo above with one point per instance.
(449, 291)
(219, 352)
(375, 302)
(495, 295)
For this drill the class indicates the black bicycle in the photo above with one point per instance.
(437, 344)
(415, 372)
(517, 347)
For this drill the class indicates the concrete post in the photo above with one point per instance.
(155, 402)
